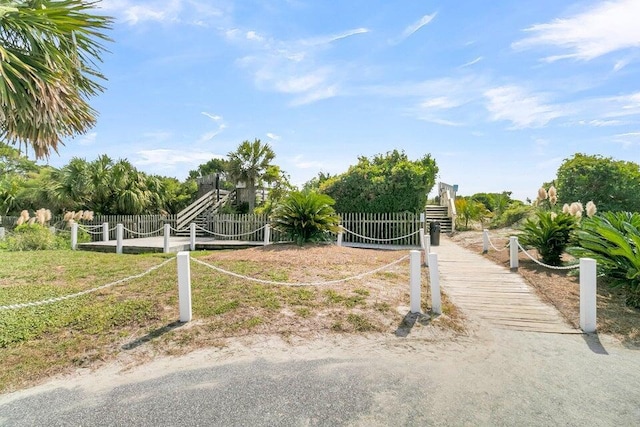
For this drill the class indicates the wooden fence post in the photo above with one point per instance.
(192, 236)
(434, 280)
(2, 233)
(513, 252)
(485, 241)
(340, 233)
(414, 281)
(167, 237)
(119, 238)
(184, 286)
(267, 234)
(105, 231)
(74, 236)
(588, 295)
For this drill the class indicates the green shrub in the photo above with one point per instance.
(306, 217)
(613, 240)
(550, 234)
(515, 213)
(34, 237)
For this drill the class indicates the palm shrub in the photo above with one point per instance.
(549, 233)
(613, 240)
(306, 217)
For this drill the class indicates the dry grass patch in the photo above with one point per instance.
(561, 288)
(137, 320)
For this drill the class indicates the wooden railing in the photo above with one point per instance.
(447, 194)
(191, 212)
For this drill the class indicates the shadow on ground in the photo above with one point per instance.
(409, 321)
(151, 335)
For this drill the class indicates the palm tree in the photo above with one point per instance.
(248, 164)
(48, 51)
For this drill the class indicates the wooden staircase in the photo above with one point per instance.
(198, 211)
(440, 214)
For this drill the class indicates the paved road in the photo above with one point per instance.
(498, 377)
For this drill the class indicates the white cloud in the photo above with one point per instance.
(273, 136)
(88, 139)
(628, 139)
(168, 157)
(441, 102)
(213, 117)
(411, 29)
(521, 108)
(601, 123)
(158, 136)
(300, 163)
(165, 11)
(470, 63)
(604, 28)
(316, 95)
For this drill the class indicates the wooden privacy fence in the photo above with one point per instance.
(383, 226)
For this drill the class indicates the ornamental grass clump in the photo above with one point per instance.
(306, 217)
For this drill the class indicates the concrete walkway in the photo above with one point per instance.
(488, 291)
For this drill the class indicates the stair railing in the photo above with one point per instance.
(191, 212)
(448, 199)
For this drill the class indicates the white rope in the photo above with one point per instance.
(493, 246)
(65, 297)
(95, 233)
(90, 227)
(113, 228)
(553, 267)
(229, 235)
(271, 282)
(380, 240)
(184, 230)
(143, 234)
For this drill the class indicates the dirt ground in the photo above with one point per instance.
(561, 288)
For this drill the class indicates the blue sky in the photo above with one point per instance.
(498, 92)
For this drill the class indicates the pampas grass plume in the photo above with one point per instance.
(25, 214)
(20, 220)
(565, 208)
(542, 193)
(68, 216)
(591, 209)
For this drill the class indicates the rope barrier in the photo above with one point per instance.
(184, 230)
(143, 234)
(88, 291)
(380, 240)
(228, 235)
(553, 267)
(95, 233)
(494, 247)
(271, 282)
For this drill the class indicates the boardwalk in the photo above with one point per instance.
(492, 293)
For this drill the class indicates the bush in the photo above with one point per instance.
(515, 213)
(306, 217)
(550, 234)
(613, 240)
(34, 237)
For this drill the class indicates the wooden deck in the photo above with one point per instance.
(492, 293)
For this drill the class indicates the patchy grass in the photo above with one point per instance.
(136, 320)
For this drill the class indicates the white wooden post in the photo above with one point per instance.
(2, 233)
(427, 245)
(52, 230)
(184, 286)
(434, 280)
(267, 234)
(74, 236)
(422, 243)
(192, 236)
(588, 292)
(414, 281)
(513, 251)
(340, 236)
(105, 231)
(485, 241)
(167, 236)
(119, 238)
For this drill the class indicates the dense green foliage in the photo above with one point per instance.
(249, 164)
(306, 217)
(49, 52)
(550, 234)
(386, 183)
(613, 240)
(516, 212)
(611, 184)
(469, 210)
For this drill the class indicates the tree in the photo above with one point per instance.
(611, 184)
(386, 183)
(48, 50)
(212, 167)
(249, 164)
